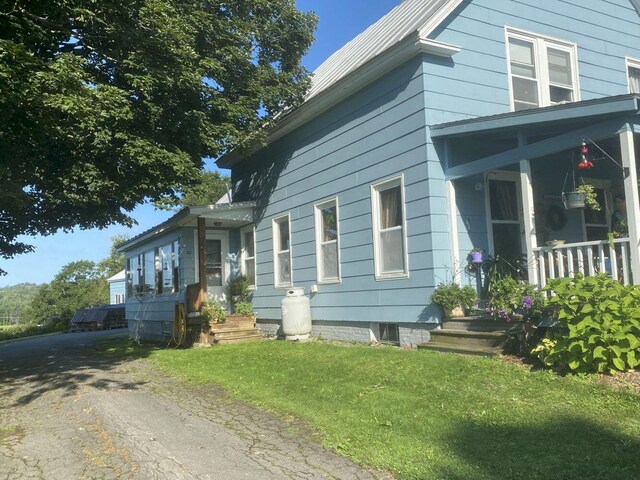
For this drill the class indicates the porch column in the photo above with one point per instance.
(530, 238)
(453, 231)
(202, 258)
(631, 198)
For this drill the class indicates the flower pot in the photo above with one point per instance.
(573, 200)
(476, 257)
(454, 312)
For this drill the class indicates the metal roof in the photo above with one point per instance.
(408, 17)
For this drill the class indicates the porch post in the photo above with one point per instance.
(453, 231)
(631, 198)
(530, 238)
(202, 258)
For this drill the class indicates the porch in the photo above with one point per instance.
(507, 176)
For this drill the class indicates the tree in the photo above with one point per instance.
(78, 285)
(104, 105)
(115, 261)
(206, 190)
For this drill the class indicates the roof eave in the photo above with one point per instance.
(378, 66)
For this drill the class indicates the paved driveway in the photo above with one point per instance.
(66, 413)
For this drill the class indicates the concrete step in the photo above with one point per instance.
(482, 324)
(486, 352)
(468, 339)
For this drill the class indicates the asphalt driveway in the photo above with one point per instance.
(67, 413)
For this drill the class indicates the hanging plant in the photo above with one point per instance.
(590, 197)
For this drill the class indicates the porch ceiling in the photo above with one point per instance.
(487, 143)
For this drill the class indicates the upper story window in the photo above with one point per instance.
(633, 71)
(542, 71)
(327, 247)
(249, 255)
(281, 252)
(389, 231)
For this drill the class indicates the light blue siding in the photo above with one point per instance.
(383, 131)
(116, 288)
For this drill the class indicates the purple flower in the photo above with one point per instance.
(527, 302)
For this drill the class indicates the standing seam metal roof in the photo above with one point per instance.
(408, 17)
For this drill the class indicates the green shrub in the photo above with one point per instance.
(238, 288)
(600, 321)
(452, 295)
(509, 297)
(244, 308)
(211, 312)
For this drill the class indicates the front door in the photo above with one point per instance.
(504, 205)
(217, 261)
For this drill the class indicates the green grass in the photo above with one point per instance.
(21, 330)
(427, 415)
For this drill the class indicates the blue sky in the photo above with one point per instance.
(340, 21)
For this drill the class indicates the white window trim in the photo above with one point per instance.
(275, 233)
(243, 255)
(318, 226)
(541, 63)
(375, 214)
(631, 63)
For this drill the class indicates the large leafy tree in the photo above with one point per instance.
(78, 285)
(105, 104)
(206, 190)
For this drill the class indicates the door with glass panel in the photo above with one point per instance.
(217, 264)
(504, 206)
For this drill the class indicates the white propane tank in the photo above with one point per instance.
(296, 315)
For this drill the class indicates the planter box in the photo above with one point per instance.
(456, 312)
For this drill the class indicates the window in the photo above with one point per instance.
(165, 271)
(119, 298)
(389, 233)
(327, 247)
(214, 263)
(281, 252)
(249, 255)
(633, 70)
(389, 333)
(149, 271)
(135, 278)
(176, 266)
(596, 223)
(542, 71)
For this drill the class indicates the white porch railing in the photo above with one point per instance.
(587, 258)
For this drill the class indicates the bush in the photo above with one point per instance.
(211, 312)
(244, 308)
(600, 321)
(238, 288)
(452, 295)
(509, 297)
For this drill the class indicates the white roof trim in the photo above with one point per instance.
(118, 277)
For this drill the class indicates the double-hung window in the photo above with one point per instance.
(249, 255)
(327, 246)
(633, 72)
(389, 230)
(542, 71)
(282, 251)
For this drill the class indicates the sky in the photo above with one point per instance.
(339, 22)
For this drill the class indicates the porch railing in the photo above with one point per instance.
(588, 258)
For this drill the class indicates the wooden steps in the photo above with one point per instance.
(234, 330)
(478, 335)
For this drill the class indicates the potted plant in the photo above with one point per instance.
(453, 298)
(476, 255)
(584, 195)
(238, 288)
(211, 312)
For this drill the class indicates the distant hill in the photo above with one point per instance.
(15, 299)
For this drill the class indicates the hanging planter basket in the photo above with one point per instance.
(573, 200)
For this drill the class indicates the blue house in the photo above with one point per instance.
(446, 125)
(117, 288)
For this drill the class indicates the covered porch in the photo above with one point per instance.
(507, 177)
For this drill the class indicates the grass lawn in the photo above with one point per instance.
(429, 415)
(21, 330)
